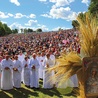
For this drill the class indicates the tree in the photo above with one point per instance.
(14, 31)
(30, 30)
(81, 16)
(39, 30)
(93, 8)
(75, 24)
(2, 30)
(25, 30)
(7, 29)
(60, 29)
(22, 30)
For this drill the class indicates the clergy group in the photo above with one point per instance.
(28, 71)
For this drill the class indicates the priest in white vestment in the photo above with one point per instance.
(21, 57)
(34, 72)
(17, 68)
(41, 68)
(26, 72)
(6, 77)
(48, 82)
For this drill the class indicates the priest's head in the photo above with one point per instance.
(34, 55)
(16, 57)
(7, 57)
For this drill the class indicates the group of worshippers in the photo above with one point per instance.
(19, 65)
(28, 71)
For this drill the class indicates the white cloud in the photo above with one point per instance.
(46, 15)
(32, 16)
(61, 13)
(43, 27)
(11, 15)
(31, 22)
(3, 15)
(19, 15)
(86, 2)
(16, 2)
(15, 25)
(59, 3)
(4, 22)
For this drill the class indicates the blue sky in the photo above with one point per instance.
(49, 15)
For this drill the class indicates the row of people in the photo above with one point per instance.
(29, 69)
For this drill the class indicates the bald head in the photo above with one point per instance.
(34, 55)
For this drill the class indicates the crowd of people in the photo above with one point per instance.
(26, 57)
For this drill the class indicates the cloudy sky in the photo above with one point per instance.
(48, 15)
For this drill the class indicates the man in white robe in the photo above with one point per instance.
(48, 82)
(17, 68)
(52, 56)
(6, 77)
(21, 57)
(26, 72)
(42, 64)
(34, 72)
(41, 68)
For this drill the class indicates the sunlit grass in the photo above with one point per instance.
(25, 92)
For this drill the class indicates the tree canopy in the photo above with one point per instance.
(92, 9)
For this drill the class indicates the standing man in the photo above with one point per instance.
(21, 57)
(6, 77)
(17, 68)
(26, 72)
(42, 59)
(48, 82)
(34, 72)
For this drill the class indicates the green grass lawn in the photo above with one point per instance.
(25, 92)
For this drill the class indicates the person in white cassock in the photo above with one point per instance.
(21, 57)
(26, 72)
(6, 77)
(41, 68)
(17, 68)
(34, 72)
(48, 82)
(52, 56)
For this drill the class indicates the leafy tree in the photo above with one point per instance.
(25, 30)
(39, 30)
(22, 30)
(93, 8)
(7, 29)
(30, 30)
(14, 31)
(75, 24)
(2, 30)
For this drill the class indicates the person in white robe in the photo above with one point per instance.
(6, 77)
(52, 57)
(48, 82)
(26, 72)
(17, 68)
(41, 68)
(21, 57)
(34, 72)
